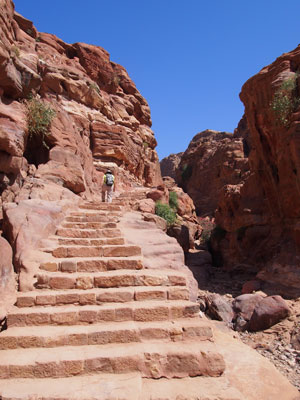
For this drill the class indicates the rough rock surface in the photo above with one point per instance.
(268, 312)
(122, 321)
(211, 160)
(100, 117)
(280, 343)
(25, 225)
(7, 278)
(261, 213)
(169, 165)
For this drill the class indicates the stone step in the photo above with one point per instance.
(88, 233)
(91, 217)
(89, 225)
(91, 264)
(151, 359)
(101, 206)
(89, 242)
(99, 296)
(97, 251)
(110, 312)
(119, 387)
(88, 387)
(108, 279)
(100, 334)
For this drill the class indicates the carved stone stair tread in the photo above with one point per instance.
(152, 359)
(150, 310)
(88, 233)
(91, 217)
(114, 332)
(121, 387)
(88, 387)
(105, 279)
(89, 225)
(101, 206)
(97, 251)
(62, 241)
(49, 297)
(92, 264)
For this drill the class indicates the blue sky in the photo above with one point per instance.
(189, 59)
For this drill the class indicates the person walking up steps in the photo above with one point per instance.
(108, 186)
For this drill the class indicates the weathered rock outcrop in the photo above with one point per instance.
(260, 215)
(168, 165)
(212, 160)
(100, 116)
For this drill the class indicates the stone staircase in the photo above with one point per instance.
(100, 326)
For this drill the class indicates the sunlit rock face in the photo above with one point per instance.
(100, 116)
(169, 164)
(260, 215)
(212, 160)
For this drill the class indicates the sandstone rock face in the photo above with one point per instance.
(211, 160)
(7, 278)
(169, 165)
(25, 225)
(99, 115)
(261, 213)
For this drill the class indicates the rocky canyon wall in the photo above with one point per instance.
(260, 216)
(211, 160)
(100, 117)
(249, 181)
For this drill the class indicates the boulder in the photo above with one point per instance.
(267, 312)
(159, 222)
(25, 225)
(146, 206)
(243, 307)
(218, 308)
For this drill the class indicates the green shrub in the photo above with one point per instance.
(285, 101)
(39, 117)
(166, 212)
(173, 200)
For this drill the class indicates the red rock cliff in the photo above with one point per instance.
(211, 160)
(261, 214)
(100, 116)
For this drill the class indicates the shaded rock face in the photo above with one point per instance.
(168, 165)
(211, 160)
(99, 114)
(261, 213)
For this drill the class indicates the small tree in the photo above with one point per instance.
(285, 101)
(39, 117)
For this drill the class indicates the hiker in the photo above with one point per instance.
(108, 185)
